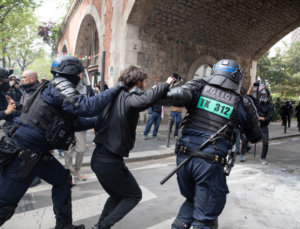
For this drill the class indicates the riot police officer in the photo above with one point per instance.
(48, 121)
(212, 103)
(285, 111)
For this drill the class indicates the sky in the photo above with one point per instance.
(48, 10)
(287, 39)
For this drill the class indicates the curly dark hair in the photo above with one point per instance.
(130, 76)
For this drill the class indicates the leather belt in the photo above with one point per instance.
(198, 153)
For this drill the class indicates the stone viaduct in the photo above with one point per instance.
(166, 36)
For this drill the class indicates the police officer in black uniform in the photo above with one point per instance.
(211, 103)
(48, 121)
(285, 111)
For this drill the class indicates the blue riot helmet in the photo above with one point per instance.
(4, 74)
(67, 66)
(264, 95)
(226, 74)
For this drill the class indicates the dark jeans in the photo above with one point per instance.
(204, 184)
(265, 138)
(14, 187)
(178, 117)
(153, 118)
(122, 188)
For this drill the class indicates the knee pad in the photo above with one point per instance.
(6, 212)
(179, 224)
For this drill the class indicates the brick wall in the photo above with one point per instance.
(162, 55)
(73, 27)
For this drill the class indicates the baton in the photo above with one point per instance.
(210, 139)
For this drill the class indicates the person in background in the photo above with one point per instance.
(154, 116)
(265, 111)
(285, 111)
(30, 84)
(98, 86)
(176, 113)
(79, 148)
(14, 91)
(297, 110)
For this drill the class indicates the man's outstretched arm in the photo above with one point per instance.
(181, 96)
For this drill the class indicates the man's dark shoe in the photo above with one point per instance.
(35, 182)
(248, 148)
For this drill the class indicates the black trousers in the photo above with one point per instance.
(265, 138)
(122, 188)
(288, 119)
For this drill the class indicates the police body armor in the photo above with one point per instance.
(57, 123)
(215, 108)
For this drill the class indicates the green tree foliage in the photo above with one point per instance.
(42, 66)
(21, 44)
(10, 6)
(282, 72)
(49, 31)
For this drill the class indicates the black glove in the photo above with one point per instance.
(119, 87)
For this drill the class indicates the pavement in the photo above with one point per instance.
(261, 196)
(153, 149)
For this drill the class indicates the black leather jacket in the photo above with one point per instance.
(116, 126)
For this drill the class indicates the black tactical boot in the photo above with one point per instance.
(62, 224)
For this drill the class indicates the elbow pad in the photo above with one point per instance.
(252, 116)
(66, 90)
(177, 97)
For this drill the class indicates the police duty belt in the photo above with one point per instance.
(198, 153)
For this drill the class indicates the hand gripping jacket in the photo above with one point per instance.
(58, 124)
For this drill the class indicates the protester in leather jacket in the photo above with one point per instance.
(115, 137)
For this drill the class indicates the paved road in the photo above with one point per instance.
(261, 196)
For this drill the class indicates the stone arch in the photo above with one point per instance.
(200, 61)
(89, 12)
(65, 47)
